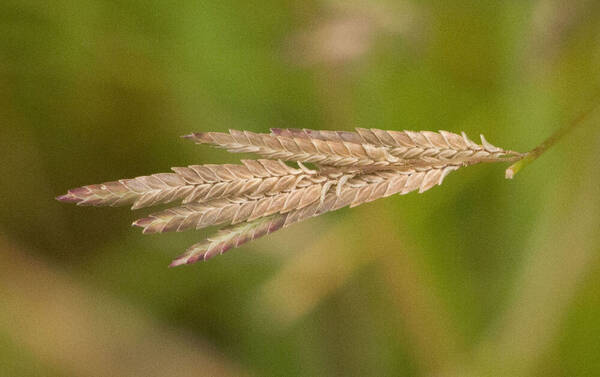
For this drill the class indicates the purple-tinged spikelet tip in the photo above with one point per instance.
(177, 262)
(68, 198)
(142, 223)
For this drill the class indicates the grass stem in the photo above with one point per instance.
(533, 155)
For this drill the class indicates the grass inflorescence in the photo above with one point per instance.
(258, 197)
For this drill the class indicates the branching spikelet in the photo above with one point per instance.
(228, 211)
(230, 237)
(197, 183)
(420, 147)
(354, 192)
(320, 151)
(258, 197)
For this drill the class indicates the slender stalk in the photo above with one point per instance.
(533, 155)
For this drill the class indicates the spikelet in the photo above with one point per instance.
(228, 211)
(197, 183)
(423, 148)
(258, 197)
(230, 237)
(354, 192)
(319, 151)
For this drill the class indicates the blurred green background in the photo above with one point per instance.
(479, 277)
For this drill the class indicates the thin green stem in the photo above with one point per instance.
(531, 156)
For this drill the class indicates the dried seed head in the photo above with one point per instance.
(261, 196)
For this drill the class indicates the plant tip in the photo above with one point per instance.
(177, 263)
(67, 198)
